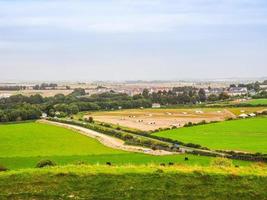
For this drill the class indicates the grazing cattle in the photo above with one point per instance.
(108, 163)
(171, 163)
(162, 164)
(186, 159)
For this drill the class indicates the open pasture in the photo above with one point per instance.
(23, 145)
(151, 119)
(255, 102)
(249, 135)
(36, 139)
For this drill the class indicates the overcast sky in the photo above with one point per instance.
(132, 39)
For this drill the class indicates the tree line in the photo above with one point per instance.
(182, 95)
(20, 107)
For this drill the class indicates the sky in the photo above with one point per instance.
(87, 40)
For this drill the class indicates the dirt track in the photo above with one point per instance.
(108, 140)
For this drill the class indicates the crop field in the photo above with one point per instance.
(135, 182)
(23, 145)
(246, 110)
(151, 119)
(248, 135)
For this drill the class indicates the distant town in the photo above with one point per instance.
(131, 88)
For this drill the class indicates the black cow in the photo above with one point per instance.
(108, 163)
(186, 158)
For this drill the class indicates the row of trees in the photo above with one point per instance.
(26, 112)
(44, 86)
(12, 88)
(181, 95)
(61, 105)
(250, 86)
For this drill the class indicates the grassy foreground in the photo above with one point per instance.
(132, 182)
(244, 135)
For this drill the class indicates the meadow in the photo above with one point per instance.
(249, 135)
(135, 182)
(22, 145)
(255, 102)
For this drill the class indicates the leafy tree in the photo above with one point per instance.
(202, 95)
(78, 92)
(224, 96)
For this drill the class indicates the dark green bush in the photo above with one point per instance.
(3, 169)
(45, 163)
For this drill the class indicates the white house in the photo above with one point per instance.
(44, 115)
(155, 105)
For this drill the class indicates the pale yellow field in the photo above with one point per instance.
(44, 93)
(151, 119)
(246, 110)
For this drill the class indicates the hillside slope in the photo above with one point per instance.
(130, 182)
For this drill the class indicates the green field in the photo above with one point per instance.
(23, 145)
(243, 135)
(135, 182)
(36, 139)
(255, 102)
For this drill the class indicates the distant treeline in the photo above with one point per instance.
(19, 107)
(182, 95)
(44, 86)
(12, 88)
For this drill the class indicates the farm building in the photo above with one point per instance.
(216, 91)
(236, 91)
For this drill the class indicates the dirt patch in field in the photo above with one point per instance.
(151, 119)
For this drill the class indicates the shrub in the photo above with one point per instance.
(221, 162)
(89, 119)
(197, 146)
(80, 163)
(45, 163)
(154, 148)
(189, 124)
(3, 169)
